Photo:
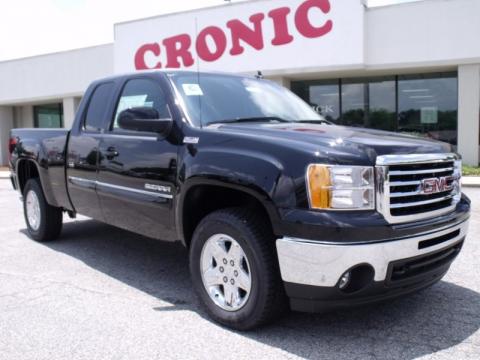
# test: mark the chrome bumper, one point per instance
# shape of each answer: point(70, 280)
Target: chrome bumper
point(313, 263)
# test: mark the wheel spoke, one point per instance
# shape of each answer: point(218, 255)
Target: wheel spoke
point(243, 280)
point(206, 263)
point(230, 294)
point(236, 252)
point(217, 250)
point(212, 277)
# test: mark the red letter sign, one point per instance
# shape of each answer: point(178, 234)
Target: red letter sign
point(140, 56)
point(280, 26)
point(182, 51)
point(218, 37)
point(304, 26)
point(240, 31)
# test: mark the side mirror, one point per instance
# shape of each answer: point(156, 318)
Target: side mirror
point(144, 119)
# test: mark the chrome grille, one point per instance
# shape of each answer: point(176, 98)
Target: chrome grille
point(416, 186)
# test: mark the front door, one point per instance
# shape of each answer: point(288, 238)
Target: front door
point(137, 171)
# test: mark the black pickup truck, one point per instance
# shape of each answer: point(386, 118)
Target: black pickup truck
point(277, 206)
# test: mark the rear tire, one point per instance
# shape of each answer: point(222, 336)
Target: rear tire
point(44, 222)
point(263, 299)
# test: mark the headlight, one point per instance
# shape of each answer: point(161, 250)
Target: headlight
point(335, 187)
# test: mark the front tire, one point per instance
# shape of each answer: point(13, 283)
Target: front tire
point(44, 222)
point(234, 269)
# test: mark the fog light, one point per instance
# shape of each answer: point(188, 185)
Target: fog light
point(344, 280)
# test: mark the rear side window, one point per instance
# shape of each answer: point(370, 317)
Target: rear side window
point(97, 109)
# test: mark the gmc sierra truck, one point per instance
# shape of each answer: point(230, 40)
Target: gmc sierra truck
point(277, 206)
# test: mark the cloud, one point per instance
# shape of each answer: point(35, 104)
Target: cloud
point(373, 3)
point(32, 27)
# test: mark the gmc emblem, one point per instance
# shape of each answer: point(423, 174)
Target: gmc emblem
point(436, 185)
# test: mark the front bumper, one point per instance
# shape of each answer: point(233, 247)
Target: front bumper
point(311, 269)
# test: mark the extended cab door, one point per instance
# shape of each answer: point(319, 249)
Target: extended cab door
point(137, 171)
point(83, 146)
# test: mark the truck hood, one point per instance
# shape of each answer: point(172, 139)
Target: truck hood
point(338, 143)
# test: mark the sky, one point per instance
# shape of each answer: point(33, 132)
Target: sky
point(34, 27)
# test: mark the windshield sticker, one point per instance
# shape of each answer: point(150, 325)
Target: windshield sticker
point(192, 90)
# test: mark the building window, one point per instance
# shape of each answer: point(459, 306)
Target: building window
point(48, 116)
point(427, 105)
point(369, 103)
point(423, 105)
point(323, 96)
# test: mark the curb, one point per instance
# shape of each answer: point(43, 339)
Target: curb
point(475, 182)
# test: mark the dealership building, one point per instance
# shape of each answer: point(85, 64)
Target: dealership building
point(411, 68)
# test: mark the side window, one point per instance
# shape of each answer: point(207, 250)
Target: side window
point(142, 93)
point(98, 106)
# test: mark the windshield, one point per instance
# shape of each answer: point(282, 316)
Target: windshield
point(217, 98)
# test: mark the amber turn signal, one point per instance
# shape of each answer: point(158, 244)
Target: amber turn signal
point(319, 184)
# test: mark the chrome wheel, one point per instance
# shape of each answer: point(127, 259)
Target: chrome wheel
point(33, 210)
point(225, 272)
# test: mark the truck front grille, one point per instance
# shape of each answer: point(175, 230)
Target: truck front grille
point(412, 187)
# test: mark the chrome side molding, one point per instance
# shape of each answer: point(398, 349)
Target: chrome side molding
point(94, 184)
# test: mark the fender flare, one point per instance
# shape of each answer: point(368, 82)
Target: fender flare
point(255, 192)
point(43, 177)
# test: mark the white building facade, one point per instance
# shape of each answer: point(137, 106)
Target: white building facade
point(412, 68)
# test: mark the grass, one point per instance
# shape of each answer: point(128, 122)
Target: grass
point(471, 170)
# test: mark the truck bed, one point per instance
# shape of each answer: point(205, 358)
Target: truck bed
point(47, 148)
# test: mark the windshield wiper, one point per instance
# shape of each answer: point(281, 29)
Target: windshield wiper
point(320, 121)
point(249, 119)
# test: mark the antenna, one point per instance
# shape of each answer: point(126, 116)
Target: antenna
point(259, 75)
point(198, 75)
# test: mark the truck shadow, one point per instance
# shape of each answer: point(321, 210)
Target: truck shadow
point(421, 324)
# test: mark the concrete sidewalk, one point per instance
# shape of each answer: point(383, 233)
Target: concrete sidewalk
point(467, 181)
point(471, 181)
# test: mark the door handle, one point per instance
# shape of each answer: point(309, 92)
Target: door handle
point(111, 153)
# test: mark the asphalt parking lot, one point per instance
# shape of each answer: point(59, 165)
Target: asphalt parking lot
point(103, 293)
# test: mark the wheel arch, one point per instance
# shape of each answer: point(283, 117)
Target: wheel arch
point(192, 206)
point(27, 169)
